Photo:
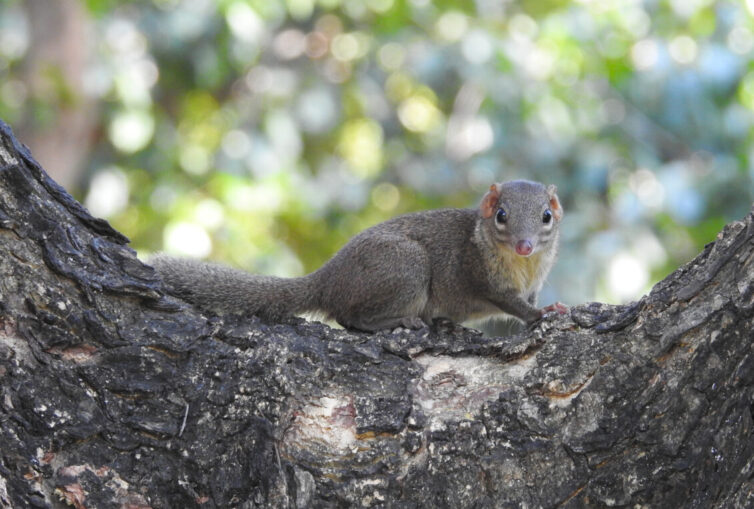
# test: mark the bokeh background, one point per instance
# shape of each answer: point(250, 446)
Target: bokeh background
point(265, 133)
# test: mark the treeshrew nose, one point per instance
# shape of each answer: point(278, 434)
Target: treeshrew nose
point(523, 247)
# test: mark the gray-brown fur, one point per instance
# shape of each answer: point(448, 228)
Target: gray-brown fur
point(450, 263)
point(219, 288)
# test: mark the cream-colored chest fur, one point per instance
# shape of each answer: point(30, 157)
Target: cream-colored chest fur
point(524, 273)
point(508, 270)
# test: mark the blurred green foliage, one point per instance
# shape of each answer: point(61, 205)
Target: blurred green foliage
point(265, 133)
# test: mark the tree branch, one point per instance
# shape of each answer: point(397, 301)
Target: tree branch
point(112, 393)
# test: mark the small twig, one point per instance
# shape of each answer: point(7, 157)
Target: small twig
point(185, 416)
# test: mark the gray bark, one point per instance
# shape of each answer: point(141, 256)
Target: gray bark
point(113, 394)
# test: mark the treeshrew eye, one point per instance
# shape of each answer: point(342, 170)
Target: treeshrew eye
point(547, 216)
point(501, 217)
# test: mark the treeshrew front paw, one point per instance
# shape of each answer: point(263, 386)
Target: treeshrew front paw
point(557, 307)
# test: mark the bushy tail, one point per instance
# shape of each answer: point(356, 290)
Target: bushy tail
point(219, 288)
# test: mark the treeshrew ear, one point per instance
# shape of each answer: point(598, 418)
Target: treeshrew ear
point(557, 210)
point(488, 206)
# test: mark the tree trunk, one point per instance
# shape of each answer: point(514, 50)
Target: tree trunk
point(55, 72)
point(115, 395)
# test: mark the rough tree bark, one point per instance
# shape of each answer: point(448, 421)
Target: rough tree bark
point(113, 394)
